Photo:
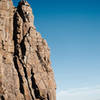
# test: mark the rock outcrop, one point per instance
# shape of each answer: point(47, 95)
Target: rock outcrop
point(25, 67)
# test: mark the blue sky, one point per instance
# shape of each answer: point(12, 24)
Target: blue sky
point(72, 30)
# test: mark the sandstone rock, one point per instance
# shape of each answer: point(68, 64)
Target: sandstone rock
point(25, 67)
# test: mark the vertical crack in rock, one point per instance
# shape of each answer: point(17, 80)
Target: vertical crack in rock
point(2, 98)
point(23, 48)
point(16, 53)
point(35, 87)
point(48, 97)
point(19, 75)
point(26, 76)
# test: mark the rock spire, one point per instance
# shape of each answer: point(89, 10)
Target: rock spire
point(25, 67)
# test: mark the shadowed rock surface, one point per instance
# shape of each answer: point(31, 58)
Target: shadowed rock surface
point(25, 67)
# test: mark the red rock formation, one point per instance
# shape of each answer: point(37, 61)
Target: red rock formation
point(25, 67)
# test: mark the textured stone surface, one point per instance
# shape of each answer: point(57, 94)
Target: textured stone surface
point(25, 67)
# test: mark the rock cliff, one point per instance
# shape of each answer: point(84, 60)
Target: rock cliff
point(25, 67)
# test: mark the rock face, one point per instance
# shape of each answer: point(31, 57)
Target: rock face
point(25, 68)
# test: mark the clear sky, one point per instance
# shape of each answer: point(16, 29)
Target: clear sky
point(72, 30)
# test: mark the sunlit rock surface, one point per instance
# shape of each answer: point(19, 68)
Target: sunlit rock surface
point(25, 67)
